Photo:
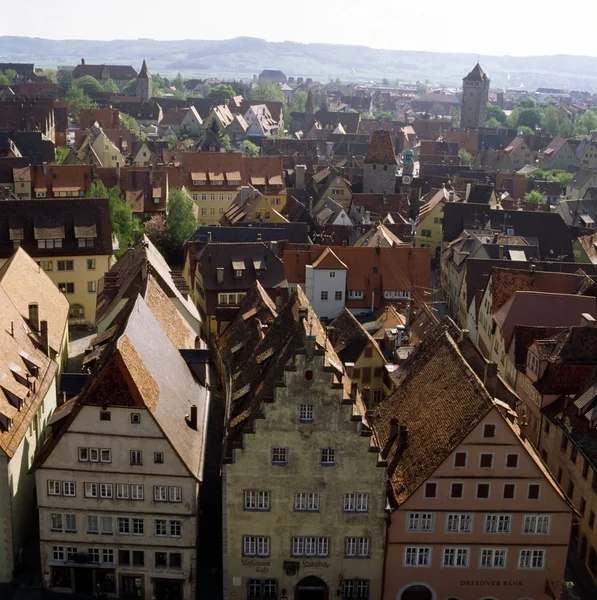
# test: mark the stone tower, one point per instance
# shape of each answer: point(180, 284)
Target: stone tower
point(309, 112)
point(380, 165)
point(144, 85)
point(475, 94)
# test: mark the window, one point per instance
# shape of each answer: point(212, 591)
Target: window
point(493, 558)
point(498, 523)
point(531, 559)
point(123, 524)
point(483, 491)
point(54, 487)
point(138, 526)
point(70, 523)
point(456, 490)
point(356, 547)
point(136, 491)
point(533, 492)
point(512, 461)
point(55, 522)
point(135, 418)
point(332, 273)
point(257, 500)
point(489, 430)
point(306, 501)
point(107, 555)
point(66, 265)
point(138, 558)
point(105, 490)
point(338, 296)
point(67, 288)
point(460, 459)
point(279, 456)
point(310, 546)
point(455, 557)
point(573, 454)
point(91, 287)
point(508, 492)
point(175, 560)
point(417, 556)
point(92, 524)
point(46, 265)
point(94, 554)
point(328, 457)
point(71, 552)
point(106, 525)
point(431, 490)
point(255, 545)
point(136, 457)
point(105, 415)
point(564, 443)
point(159, 527)
point(585, 468)
point(306, 413)
point(459, 523)
point(91, 490)
point(124, 557)
point(356, 502)
point(158, 458)
point(159, 493)
point(420, 522)
point(58, 552)
point(105, 454)
point(355, 588)
point(174, 493)
point(69, 488)
point(91, 264)
point(536, 524)
point(324, 295)
point(486, 461)
point(161, 559)
point(175, 528)
point(377, 396)
point(122, 491)
point(94, 454)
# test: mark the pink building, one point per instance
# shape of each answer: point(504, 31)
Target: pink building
point(475, 515)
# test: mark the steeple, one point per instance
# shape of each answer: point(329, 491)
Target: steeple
point(309, 111)
point(144, 83)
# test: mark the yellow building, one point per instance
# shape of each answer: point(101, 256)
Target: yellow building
point(297, 522)
point(587, 154)
point(251, 206)
point(71, 240)
point(97, 149)
point(431, 220)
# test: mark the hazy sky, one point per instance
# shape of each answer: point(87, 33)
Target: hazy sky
point(521, 27)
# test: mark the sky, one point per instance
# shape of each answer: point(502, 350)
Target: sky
point(516, 28)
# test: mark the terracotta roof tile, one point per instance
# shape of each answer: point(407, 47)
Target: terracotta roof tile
point(381, 149)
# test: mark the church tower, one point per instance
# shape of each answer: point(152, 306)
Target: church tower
point(309, 112)
point(380, 164)
point(475, 95)
point(144, 85)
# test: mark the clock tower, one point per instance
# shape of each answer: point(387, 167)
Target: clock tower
point(408, 169)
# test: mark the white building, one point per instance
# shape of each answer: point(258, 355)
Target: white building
point(118, 482)
point(34, 342)
point(325, 284)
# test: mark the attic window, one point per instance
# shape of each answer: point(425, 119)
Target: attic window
point(198, 181)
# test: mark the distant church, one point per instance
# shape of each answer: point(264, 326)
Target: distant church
point(475, 95)
point(144, 83)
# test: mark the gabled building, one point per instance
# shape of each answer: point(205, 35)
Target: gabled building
point(558, 154)
point(296, 520)
point(34, 340)
point(182, 121)
point(121, 75)
point(519, 152)
point(118, 481)
point(431, 218)
point(60, 181)
point(472, 505)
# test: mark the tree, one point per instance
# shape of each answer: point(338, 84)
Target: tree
point(61, 154)
point(455, 117)
point(299, 100)
point(249, 148)
point(110, 87)
point(156, 229)
point(121, 214)
point(367, 116)
point(493, 124)
point(10, 74)
point(495, 112)
point(385, 115)
point(221, 92)
point(224, 140)
point(178, 83)
point(180, 216)
point(530, 117)
point(527, 103)
point(130, 89)
point(77, 99)
point(534, 196)
point(586, 123)
point(465, 157)
point(267, 92)
point(50, 74)
point(66, 80)
point(4, 79)
point(524, 130)
point(88, 84)
point(128, 122)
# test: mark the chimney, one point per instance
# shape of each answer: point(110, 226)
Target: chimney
point(402, 438)
point(302, 314)
point(450, 196)
point(587, 320)
point(349, 366)
point(209, 237)
point(279, 299)
point(120, 143)
point(45, 168)
point(220, 274)
point(192, 418)
point(118, 174)
point(311, 205)
point(310, 345)
point(34, 316)
point(490, 378)
point(501, 252)
point(82, 61)
point(299, 180)
point(367, 396)
point(394, 428)
point(150, 174)
point(468, 192)
point(45, 340)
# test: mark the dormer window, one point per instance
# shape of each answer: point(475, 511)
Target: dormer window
point(86, 242)
point(198, 181)
point(533, 363)
point(238, 266)
point(238, 273)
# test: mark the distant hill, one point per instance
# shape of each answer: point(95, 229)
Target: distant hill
point(243, 57)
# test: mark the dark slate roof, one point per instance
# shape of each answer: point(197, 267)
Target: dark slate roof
point(348, 337)
point(295, 233)
point(114, 71)
point(477, 74)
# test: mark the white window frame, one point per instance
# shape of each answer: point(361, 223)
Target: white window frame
point(356, 502)
point(530, 555)
point(458, 557)
point(70, 523)
point(279, 455)
point(106, 490)
point(160, 493)
point(306, 413)
point(422, 522)
point(496, 557)
point(327, 457)
point(256, 500)
point(124, 525)
point(91, 489)
point(122, 491)
point(417, 553)
point(174, 493)
point(459, 519)
point(160, 527)
point(137, 526)
point(92, 524)
point(306, 501)
point(54, 487)
point(69, 488)
point(175, 525)
point(497, 523)
point(536, 524)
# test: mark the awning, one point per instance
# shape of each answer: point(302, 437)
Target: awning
point(238, 265)
point(587, 220)
point(257, 180)
point(156, 193)
point(200, 176)
point(85, 227)
point(67, 189)
point(276, 180)
point(48, 229)
point(40, 189)
point(233, 176)
point(216, 176)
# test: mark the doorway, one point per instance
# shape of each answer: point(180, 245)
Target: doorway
point(167, 590)
point(83, 581)
point(311, 588)
point(416, 592)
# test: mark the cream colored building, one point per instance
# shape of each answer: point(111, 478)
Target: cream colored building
point(297, 522)
point(118, 483)
point(34, 341)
